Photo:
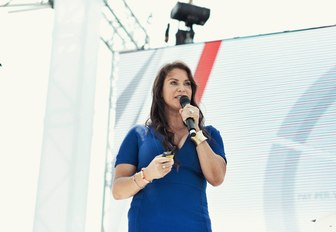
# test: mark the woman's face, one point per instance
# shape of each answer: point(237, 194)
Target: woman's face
point(175, 85)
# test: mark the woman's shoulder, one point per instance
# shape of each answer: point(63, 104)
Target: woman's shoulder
point(211, 129)
point(212, 132)
point(139, 129)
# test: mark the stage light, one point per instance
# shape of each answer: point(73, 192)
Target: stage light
point(190, 14)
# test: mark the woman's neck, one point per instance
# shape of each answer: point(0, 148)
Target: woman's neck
point(175, 121)
point(177, 127)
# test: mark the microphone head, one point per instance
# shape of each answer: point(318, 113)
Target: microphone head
point(184, 100)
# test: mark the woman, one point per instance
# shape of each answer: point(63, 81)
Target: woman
point(169, 194)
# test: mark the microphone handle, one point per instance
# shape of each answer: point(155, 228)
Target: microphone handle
point(191, 126)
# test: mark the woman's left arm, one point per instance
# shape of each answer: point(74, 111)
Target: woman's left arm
point(213, 166)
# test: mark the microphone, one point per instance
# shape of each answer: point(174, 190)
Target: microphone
point(190, 123)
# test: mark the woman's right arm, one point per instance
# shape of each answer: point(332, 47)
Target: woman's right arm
point(127, 182)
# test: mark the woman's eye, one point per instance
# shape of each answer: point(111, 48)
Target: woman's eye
point(188, 83)
point(173, 82)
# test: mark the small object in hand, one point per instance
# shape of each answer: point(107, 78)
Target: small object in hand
point(168, 154)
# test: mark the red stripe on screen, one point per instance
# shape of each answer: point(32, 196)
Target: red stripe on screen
point(204, 66)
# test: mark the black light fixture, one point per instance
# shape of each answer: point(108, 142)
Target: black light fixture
point(190, 14)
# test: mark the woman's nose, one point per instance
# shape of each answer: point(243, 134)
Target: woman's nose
point(181, 88)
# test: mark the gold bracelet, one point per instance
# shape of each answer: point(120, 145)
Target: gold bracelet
point(199, 138)
point(143, 176)
point(134, 180)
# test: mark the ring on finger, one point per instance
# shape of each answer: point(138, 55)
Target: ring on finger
point(191, 111)
point(163, 166)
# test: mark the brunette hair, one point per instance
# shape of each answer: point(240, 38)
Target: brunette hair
point(157, 118)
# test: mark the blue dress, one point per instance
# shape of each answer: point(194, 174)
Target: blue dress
point(176, 202)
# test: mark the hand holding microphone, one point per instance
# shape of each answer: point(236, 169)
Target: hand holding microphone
point(189, 114)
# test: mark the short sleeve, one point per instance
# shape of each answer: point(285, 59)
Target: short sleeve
point(129, 148)
point(216, 142)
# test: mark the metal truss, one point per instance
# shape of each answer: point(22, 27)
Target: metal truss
point(21, 5)
point(122, 30)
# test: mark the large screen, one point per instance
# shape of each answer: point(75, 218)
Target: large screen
point(273, 99)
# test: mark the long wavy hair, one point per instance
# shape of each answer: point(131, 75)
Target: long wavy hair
point(157, 118)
